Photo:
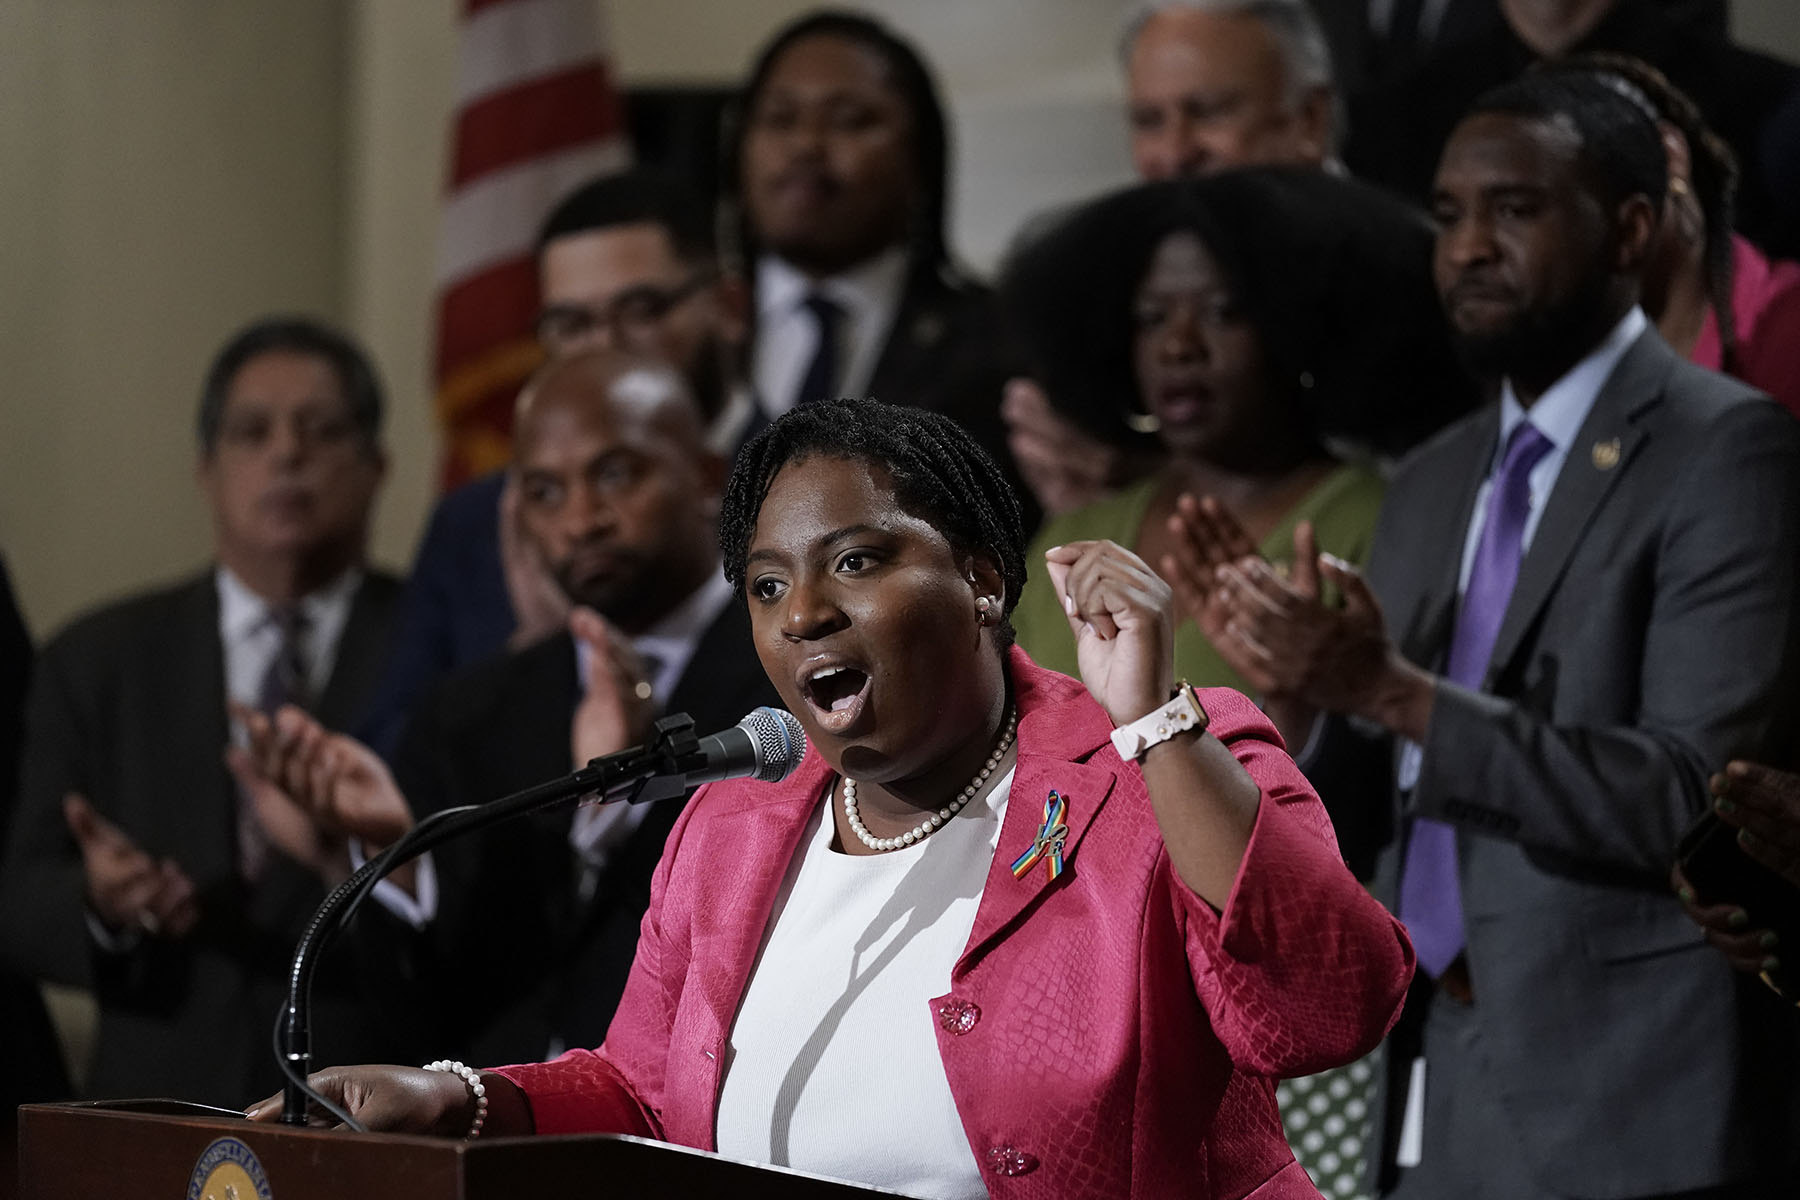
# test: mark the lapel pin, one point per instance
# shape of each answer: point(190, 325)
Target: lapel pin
point(1606, 454)
point(1048, 845)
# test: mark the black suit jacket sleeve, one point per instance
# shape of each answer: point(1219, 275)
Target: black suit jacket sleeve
point(1713, 675)
point(43, 929)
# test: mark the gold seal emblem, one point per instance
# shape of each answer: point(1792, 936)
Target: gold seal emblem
point(228, 1170)
point(1606, 454)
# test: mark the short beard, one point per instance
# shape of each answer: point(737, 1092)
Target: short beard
point(1540, 344)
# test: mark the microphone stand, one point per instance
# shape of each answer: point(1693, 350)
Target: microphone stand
point(654, 771)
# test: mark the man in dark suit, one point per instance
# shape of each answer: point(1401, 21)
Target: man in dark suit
point(135, 867)
point(1589, 598)
point(1398, 125)
point(28, 1044)
point(627, 260)
point(537, 921)
point(838, 166)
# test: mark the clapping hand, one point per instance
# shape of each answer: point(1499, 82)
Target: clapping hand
point(1207, 538)
point(1064, 467)
point(1763, 805)
point(127, 888)
point(1209, 541)
point(313, 790)
point(538, 603)
point(618, 702)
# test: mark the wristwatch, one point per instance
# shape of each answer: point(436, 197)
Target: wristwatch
point(1177, 716)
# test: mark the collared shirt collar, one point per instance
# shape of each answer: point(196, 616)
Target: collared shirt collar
point(242, 611)
point(870, 286)
point(1565, 404)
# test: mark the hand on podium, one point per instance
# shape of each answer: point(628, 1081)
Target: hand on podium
point(394, 1099)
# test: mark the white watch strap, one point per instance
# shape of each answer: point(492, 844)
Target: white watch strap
point(1181, 713)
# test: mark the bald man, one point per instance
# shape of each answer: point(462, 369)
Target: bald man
point(537, 922)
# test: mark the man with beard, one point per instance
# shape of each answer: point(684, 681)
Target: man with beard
point(1581, 601)
point(618, 495)
point(1397, 126)
point(627, 261)
point(838, 168)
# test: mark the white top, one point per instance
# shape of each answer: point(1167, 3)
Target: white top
point(842, 1074)
point(787, 334)
point(1558, 414)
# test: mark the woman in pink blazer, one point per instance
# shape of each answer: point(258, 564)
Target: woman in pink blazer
point(975, 945)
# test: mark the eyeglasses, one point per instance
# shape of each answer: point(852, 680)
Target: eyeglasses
point(632, 317)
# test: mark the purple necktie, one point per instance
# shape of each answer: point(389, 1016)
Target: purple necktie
point(1430, 898)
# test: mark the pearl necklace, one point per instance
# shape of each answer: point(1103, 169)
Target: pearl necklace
point(929, 825)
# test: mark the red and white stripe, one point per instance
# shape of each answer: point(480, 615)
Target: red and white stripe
point(538, 113)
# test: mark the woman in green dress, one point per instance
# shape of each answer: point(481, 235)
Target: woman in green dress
point(1266, 334)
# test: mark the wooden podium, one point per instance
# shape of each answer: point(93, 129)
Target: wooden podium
point(93, 1151)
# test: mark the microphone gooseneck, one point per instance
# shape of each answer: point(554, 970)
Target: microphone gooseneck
point(766, 745)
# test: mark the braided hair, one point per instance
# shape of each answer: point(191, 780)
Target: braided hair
point(940, 474)
point(1712, 164)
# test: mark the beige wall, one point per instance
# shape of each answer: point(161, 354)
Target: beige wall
point(172, 167)
point(169, 169)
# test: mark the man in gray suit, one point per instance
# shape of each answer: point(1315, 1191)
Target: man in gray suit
point(1581, 600)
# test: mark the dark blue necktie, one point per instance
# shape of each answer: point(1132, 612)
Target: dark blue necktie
point(821, 378)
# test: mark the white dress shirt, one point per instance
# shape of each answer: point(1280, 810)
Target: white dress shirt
point(251, 636)
point(787, 333)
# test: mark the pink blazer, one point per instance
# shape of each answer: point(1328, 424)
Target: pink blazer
point(1107, 1034)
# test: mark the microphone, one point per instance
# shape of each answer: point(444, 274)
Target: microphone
point(766, 746)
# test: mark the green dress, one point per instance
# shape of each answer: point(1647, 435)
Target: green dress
point(1329, 1117)
point(1342, 509)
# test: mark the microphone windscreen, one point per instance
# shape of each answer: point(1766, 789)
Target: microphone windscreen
point(779, 742)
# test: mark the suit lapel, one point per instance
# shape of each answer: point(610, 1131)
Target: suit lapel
point(755, 844)
point(1056, 733)
point(1426, 632)
point(1588, 476)
point(361, 652)
point(723, 680)
point(201, 804)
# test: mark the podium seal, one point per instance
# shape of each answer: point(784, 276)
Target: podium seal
point(228, 1170)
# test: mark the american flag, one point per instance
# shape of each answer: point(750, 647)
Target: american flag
point(538, 113)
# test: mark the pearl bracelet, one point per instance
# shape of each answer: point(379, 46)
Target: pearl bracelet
point(472, 1077)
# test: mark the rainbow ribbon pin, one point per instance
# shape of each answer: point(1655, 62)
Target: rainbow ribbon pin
point(1048, 845)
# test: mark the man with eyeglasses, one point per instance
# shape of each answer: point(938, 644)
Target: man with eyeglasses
point(134, 866)
point(627, 261)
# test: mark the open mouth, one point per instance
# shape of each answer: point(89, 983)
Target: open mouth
point(836, 694)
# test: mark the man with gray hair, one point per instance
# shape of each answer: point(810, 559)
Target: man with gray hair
point(1213, 84)
point(1210, 85)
